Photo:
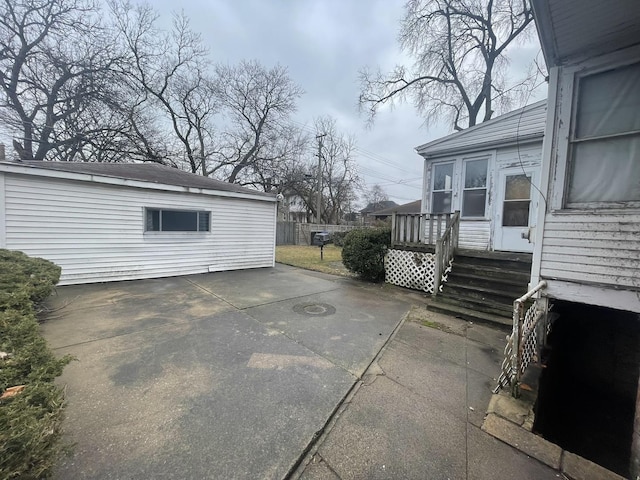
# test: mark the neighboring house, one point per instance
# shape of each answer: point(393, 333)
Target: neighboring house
point(367, 213)
point(489, 173)
point(294, 209)
point(406, 208)
point(107, 222)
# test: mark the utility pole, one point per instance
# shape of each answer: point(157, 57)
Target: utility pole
point(319, 199)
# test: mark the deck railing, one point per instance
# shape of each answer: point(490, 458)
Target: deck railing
point(414, 229)
point(524, 343)
point(446, 246)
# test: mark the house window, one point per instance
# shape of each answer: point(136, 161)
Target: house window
point(158, 220)
point(442, 186)
point(605, 141)
point(474, 194)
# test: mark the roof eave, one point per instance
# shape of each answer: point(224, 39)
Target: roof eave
point(17, 168)
point(482, 147)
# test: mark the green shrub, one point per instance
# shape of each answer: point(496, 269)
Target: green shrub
point(338, 238)
point(30, 420)
point(363, 252)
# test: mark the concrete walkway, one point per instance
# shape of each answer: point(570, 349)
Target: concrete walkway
point(418, 410)
point(275, 373)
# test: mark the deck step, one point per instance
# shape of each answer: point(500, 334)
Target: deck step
point(472, 315)
point(484, 285)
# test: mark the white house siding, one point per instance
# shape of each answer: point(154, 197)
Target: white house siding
point(525, 156)
point(594, 248)
point(474, 235)
point(95, 232)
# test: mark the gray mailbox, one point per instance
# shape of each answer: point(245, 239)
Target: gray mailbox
point(320, 239)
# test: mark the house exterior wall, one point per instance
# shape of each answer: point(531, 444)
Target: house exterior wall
point(478, 233)
point(586, 255)
point(96, 232)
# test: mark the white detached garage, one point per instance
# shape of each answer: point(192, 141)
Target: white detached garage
point(109, 222)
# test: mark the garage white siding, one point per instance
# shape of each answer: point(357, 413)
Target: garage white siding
point(95, 232)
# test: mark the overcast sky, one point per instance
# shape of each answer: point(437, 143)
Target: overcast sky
point(324, 43)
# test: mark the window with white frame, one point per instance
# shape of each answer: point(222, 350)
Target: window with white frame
point(474, 193)
point(164, 220)
point(442, 188)
point(604, 164)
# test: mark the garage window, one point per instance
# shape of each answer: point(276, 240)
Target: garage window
point(159, 220)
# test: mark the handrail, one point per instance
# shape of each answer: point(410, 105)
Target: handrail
point(524, 326)
point(446, 247)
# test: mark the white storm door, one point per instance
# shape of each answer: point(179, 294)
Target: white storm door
point(516, 210)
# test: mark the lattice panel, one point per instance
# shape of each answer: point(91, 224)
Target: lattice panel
point(530, 337)
point(410, 269)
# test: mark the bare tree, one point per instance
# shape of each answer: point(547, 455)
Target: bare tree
point(257, 135)
point(56, 62)
point(340, 176)
point(340, 180)
point(459, 49)
point(168, 74)
point(375, 195)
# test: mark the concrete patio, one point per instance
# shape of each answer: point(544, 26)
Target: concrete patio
point(275, 373)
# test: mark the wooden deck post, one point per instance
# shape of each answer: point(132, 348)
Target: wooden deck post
point(393, 229)
point(437, 274)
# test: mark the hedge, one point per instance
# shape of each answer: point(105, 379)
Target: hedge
point(363, 252)
point(31, 417)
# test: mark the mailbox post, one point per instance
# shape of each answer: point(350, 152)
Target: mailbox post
point(321, 239)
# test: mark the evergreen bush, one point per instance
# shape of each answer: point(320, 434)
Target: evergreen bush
point(338, 238)
point(363, 252)
point(30, 435)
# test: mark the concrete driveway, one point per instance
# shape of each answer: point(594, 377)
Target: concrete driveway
point(222, 375)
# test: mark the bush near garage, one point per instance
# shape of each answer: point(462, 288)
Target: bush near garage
point(31, 405)
point(363, 252)
point(338, 238)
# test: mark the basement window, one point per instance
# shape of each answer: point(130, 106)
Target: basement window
point(160, 220)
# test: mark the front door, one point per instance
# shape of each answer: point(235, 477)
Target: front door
point(516, 211)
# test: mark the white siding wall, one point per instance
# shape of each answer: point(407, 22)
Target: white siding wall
point(96, 232)
point(474, 234)
point(592, 248)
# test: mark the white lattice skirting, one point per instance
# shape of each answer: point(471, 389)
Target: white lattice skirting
point(410, 269)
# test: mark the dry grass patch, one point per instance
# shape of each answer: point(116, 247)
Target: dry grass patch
point(308, 257)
